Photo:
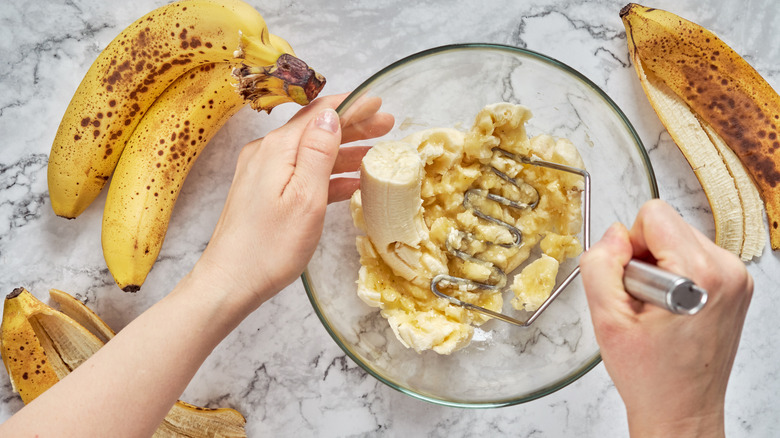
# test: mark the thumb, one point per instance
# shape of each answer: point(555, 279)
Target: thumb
point(602, 269)
point(317, 152)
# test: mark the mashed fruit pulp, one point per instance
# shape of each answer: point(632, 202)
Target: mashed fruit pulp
point(455, 162)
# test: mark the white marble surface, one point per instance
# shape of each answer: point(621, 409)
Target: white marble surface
point(281, 368)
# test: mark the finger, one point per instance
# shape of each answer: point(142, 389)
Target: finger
point(360, 109)
point(287, 136)
point(349, 158)
point(317, 151)
point(661, 232)
point(602, 268)
point(377, 125)
point(341, 189)
point(300, 120)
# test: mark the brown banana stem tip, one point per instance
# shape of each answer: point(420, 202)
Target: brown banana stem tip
point(131, 288)
point(15, 293)
point(625, 9)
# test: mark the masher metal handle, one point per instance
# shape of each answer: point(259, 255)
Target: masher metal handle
point(651, 284)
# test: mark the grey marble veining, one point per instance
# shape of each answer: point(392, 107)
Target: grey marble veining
point(280, 368)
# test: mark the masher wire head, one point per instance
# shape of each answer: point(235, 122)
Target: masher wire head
point(458, 236)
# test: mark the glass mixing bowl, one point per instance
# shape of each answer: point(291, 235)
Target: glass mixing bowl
point(504, 364)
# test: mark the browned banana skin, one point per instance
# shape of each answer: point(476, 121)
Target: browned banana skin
point(720, 87)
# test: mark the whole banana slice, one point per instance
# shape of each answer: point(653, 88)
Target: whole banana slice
point(140, 63)
point(40, 346)
point(733, 105)
point(390, 187)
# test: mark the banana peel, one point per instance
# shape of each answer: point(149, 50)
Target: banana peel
point(754, 235)
point(735, 208)
point(41, 345)
point(82, 314)
point(714, 104)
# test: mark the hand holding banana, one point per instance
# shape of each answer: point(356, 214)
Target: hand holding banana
point(149, 105)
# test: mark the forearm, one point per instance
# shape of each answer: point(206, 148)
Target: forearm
point(130, 384)
point(269, 228)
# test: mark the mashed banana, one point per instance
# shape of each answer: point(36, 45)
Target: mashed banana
point(455, 162)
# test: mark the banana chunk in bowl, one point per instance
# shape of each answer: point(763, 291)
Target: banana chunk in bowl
point(411, 209)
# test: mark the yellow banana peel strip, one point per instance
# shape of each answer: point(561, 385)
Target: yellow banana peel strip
point(41, 345)
point(82, 314)
point(689, 74)
point(30, 370)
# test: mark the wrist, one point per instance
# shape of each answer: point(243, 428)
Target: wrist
point(214, 288)
point(231, 286)
point(649, 425)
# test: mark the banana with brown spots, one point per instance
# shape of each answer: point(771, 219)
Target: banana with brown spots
point(154, 165)
point(717, 108)
point(140, 63)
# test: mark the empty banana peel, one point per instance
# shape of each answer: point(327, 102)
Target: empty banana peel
point(41, 345)
point(722, 114)
point(25, 357)
point(82, 314)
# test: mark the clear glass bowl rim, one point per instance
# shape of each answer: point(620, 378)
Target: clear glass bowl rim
point(517, 51)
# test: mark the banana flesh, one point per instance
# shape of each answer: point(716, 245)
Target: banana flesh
point(535, 283)
point(732, 113)
point(392, 173)
point(391, 177)
point(40, 346)
point(410, 205)
point(140, 63)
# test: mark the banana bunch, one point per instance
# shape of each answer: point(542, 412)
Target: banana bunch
point(41, 345)
point(148, 106)
point(723, 115)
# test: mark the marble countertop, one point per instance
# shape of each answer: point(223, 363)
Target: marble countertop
point(281, 369)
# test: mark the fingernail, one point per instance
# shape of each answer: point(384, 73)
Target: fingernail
point(328, 120)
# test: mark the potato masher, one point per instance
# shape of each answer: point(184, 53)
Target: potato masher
point(642, 280)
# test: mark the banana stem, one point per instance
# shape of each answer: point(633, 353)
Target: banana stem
point(288, 74)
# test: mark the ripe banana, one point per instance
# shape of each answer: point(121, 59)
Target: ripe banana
point(154, 165)
point(140, 63)
point(41, 345)
point(731, 111)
